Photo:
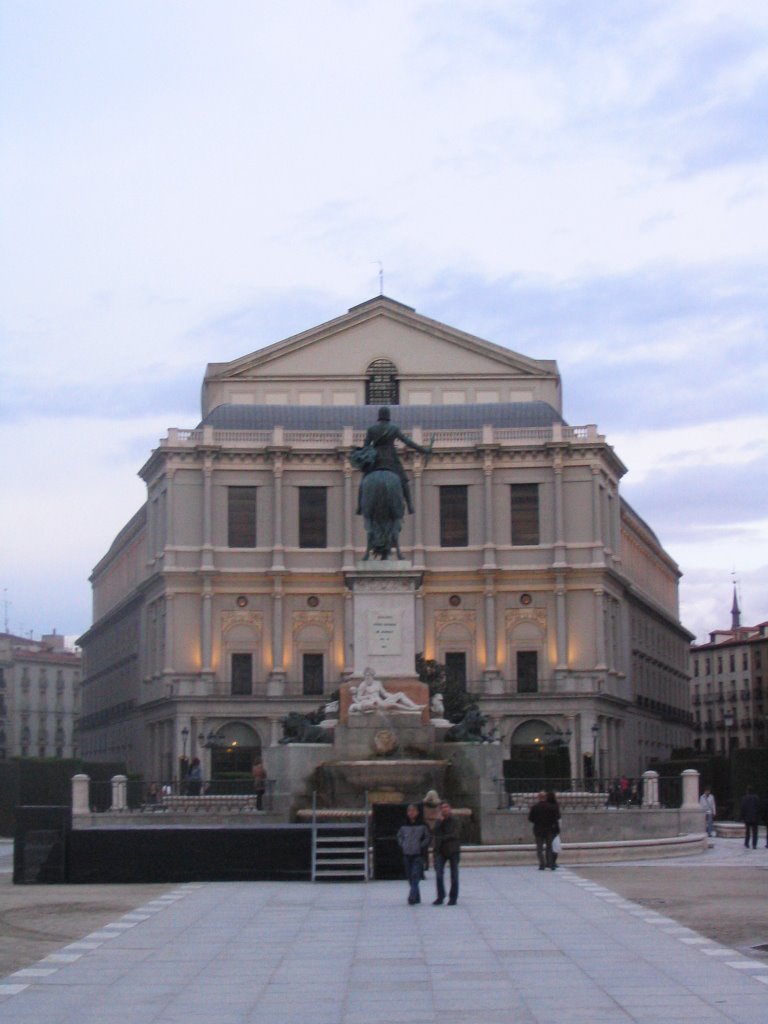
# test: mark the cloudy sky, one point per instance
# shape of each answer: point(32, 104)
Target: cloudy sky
point(186, 181)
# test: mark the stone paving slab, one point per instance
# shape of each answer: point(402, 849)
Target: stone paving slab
point(522, 946)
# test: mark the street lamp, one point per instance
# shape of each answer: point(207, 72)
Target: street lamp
point(184, 738)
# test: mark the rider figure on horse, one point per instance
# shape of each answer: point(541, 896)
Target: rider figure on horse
point(381, 437)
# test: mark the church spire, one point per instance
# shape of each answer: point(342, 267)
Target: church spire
point(735, 611)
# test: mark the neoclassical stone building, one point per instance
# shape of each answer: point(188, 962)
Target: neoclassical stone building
point(39, 697)
point(225, 601)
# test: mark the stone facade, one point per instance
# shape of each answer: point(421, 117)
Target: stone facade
point(39, 697)
point(220, 606)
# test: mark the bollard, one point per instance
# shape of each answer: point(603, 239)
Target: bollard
point(119, 792)
point(690, 779)
point(650, 789)
point(81, 793)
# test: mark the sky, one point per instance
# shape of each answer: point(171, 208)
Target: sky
point(186, 181)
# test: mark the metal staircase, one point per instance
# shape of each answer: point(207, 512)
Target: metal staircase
point(340, 850)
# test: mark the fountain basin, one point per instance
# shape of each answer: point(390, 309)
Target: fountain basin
point(385, 780)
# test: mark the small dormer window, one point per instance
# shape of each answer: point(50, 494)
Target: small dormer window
point(381, 386)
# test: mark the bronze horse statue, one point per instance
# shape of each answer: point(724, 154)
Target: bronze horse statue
point(383, 508)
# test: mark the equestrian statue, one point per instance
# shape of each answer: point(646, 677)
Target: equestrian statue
point(384, 490)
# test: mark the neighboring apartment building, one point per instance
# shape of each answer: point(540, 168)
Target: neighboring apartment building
point(39, 697)
point(729, 687)
point(224, 602)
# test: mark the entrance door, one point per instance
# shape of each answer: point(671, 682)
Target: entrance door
point(312, 674)
point(456, 670)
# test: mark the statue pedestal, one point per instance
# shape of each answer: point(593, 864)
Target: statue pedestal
point(384, 616)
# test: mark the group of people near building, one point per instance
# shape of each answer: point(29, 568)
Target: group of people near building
point(752, 812)
point(441, 834)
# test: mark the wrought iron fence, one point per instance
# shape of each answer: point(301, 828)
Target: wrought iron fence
point(587, 792)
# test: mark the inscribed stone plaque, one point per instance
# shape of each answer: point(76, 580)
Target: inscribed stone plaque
point(384, 632)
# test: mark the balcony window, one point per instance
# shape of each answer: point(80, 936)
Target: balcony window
point(313, 517)
point(454, 516)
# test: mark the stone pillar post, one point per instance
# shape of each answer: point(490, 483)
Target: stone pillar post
point(651, 789)
point(119, 792)
point(81, 794)
point(690, 779)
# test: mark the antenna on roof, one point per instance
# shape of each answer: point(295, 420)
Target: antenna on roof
point(381, 276)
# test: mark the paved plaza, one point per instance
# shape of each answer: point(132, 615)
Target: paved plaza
point(522, 946)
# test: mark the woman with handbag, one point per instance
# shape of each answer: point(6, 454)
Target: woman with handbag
point(556, 841)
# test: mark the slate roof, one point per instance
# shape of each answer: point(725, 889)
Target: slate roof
point(334, 417)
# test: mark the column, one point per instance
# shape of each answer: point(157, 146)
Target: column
point(276, 678)
point(168, 639)
point(491, 673)
point(169, 536)
point(419, 630)
point(206, 628)
point(278, 513)
point(561, 624)
point(207, 553)
point(349, 635)
point(600, 663)
point(489, 549)
point(597, 534)
point(348, 556)
point(559, 513)
point(418, 518)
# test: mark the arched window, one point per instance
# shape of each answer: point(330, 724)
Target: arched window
point(381, 386)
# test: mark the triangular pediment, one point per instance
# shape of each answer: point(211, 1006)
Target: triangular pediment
point(381, 328)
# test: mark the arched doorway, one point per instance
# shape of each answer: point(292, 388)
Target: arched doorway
point(537, 759)
point(234, 748)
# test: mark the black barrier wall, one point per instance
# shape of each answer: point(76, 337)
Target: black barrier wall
point(191, 854)
point(47, 851)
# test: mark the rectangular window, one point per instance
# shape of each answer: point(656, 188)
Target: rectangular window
point(524, 500)
point(454, 518)
point(456, 669)
point(313, 517)
point(241, 517)
point(242, 675)
point(312, 674)
point(527, 672)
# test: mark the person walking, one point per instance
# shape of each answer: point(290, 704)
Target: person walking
point(750, 815)
point(552, 799)
point(414, 839)
point(259, 774)
point(544, 817)
point(447, 840)
point(707, 804)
